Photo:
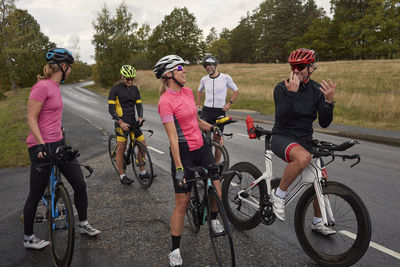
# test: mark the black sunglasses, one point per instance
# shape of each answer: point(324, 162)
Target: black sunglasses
point(129, 79)
point(299, 67)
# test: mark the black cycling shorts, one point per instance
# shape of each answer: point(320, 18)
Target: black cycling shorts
point(122, 136)
point(199, 157)
point(210, 115)
point(281, 145)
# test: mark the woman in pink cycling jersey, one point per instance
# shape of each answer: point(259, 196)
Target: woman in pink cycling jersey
point(178, 114)
point(45, 108)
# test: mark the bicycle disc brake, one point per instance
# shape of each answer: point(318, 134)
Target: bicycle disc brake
point(266, 213)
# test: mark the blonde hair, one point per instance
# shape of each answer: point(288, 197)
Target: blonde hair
point(163, 86)
point(48, 70)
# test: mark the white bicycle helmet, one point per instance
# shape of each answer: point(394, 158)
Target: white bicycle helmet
point(167, 63)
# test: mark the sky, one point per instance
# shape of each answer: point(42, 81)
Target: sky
point(66, 21)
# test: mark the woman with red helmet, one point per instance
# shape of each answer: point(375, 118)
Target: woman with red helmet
point(298, 102)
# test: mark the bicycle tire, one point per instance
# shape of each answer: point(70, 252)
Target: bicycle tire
point(62, 227)
point(347, 207)
point(192, 214)
point(222, 243)
point(138, 146)
point(242, 215)
point(112, 149)
point(215, 146)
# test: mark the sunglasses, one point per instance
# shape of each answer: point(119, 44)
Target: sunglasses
point(129, 79)
point(209, 64)
point(178, 68)
point(299, 67)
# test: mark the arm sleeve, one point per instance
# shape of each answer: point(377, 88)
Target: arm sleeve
point(112, 98)
point(201, 86)
point(284, 102)
point(39, 92)
point(165, 111)
point(231, 84)
point(325, 112)
point(139, 105)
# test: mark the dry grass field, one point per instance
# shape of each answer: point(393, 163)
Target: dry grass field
point(367, 94)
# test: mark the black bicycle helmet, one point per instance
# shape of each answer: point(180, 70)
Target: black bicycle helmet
point(59, 55)
point(209, 60)
point(167, 64)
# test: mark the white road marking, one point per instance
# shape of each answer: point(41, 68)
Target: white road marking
point(156, 150)
point(374, 245)
point(244, 135)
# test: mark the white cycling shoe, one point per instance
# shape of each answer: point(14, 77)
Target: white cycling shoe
point(278, 205)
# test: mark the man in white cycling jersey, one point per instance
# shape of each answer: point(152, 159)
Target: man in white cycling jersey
point(215, 86)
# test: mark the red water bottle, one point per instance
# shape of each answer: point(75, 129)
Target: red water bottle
point(251, 130)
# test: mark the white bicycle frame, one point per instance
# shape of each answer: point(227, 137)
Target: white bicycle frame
point(313, 174)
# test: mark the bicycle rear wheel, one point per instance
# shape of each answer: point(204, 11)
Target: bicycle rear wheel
point(222, 242)
point(222, 155)
point(61, 227)
point(112, 150)
point(141, 160)
point(352, 226)
point(243, 215)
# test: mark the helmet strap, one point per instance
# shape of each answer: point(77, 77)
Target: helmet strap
point(63, 73)
point(173, 78)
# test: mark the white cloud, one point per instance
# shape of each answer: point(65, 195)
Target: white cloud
point(62, 19)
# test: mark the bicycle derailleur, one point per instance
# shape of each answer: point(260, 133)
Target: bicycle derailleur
point(266, 212)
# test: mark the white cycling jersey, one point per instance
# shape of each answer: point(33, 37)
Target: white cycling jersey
point(216, 89)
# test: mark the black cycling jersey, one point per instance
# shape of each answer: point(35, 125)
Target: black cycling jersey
point(122, 101)
point(295, 112)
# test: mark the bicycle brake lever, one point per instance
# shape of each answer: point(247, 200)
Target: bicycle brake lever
point(90, 169)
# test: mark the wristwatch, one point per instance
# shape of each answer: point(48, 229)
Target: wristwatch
point(230, 101)
point(332, 104)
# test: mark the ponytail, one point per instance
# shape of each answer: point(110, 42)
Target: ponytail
point(163, 86)
point(48, 70)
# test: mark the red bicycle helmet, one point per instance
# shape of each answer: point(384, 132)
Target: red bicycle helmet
point(302, 56)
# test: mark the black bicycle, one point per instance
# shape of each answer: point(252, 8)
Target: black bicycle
point(198, 212)
point(220, 152)
point(137, 154)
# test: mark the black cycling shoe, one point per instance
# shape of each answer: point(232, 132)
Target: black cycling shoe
point(126, 180)
point(144, 176)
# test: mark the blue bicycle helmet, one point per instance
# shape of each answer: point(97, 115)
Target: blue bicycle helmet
point(59, 55)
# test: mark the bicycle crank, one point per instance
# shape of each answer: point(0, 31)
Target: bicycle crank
point(266, 213)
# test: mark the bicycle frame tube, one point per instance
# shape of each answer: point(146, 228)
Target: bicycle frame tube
point(54, 180)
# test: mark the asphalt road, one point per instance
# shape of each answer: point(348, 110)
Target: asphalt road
point(135, 222)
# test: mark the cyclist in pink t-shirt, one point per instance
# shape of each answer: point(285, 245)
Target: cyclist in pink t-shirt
point(45, 108)
point(178, 114)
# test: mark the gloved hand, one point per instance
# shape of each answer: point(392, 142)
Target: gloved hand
point(214, 129)
point(41, 148)
point(180, 177)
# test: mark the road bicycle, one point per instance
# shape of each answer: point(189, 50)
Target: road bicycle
point(198, 212)
point(246, 198)
point(56, 207)
point(137, 154)
point(220, 152)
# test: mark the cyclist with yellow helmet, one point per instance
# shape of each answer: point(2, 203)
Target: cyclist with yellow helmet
point(123, 99)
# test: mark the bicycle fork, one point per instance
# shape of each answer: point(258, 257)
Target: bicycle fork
point(324, 203)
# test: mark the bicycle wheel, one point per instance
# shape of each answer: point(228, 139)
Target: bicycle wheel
point(192, 214)
point(223, 154)
point(141, 160)
point(62, 227)
point(222, 242)
point(112, 150)
point(352, 226)
point(243, 215)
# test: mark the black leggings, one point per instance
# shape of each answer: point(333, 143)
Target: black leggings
point(38, 183)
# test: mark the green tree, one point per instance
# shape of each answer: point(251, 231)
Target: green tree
point(141, 58)
point(241, 41)
point(212, 36)
point(115, 43)
point(24, 50)
point(177, 34)
point(221, 49)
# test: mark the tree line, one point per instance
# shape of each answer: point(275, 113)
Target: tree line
point(22, 50)
point(358, 29)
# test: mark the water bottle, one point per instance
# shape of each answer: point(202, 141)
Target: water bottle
point(251, 130)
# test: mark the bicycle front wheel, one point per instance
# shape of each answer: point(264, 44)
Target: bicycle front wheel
point(61, 227)
point(112, 150)
point(220, 154)
point(220, 233)
point(141, 162)
point(240, 211)
point(352, 226)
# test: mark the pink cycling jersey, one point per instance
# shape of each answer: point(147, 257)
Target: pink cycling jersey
point(49, 120)
point(179, 107)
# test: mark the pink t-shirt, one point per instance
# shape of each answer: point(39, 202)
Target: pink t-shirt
point(49, 120)
point(180, 108)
